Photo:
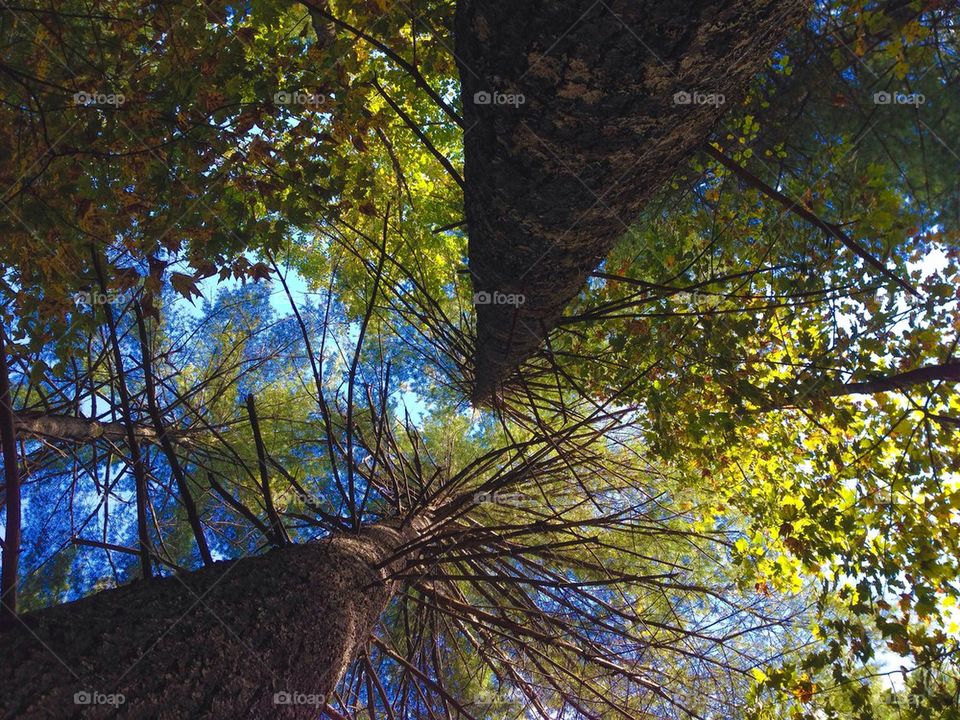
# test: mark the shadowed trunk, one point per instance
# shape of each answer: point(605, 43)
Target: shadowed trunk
point(571, 125)
point(215, 643)
point(10, 500)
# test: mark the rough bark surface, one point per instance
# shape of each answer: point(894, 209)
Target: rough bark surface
point(552, 182)
point(68, 428)
point(215, 643)
point(11, 495)
point(947, 372)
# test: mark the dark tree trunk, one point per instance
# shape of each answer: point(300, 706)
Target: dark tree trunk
point(802, 394)
point(947, 372)
point(11, 489)
point(552, 182)
point(215, 643)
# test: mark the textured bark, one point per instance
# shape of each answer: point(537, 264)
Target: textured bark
point(805, 393)
point(948, 372)
point(11, 494)
point(553, 182)
point(68, 428)
point(215, 643)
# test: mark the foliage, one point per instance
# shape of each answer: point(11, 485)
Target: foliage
point(695, 501)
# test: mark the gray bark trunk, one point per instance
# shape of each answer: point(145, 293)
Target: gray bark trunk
point(68, 428)
point(552, 182)
point(216, 643)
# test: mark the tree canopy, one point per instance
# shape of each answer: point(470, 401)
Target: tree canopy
point(695, 456)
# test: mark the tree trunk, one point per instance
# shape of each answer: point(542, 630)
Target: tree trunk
point(572, 123)
point(11, 495)
point(215, 643)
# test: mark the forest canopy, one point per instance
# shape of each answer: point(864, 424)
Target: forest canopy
point(480, 360)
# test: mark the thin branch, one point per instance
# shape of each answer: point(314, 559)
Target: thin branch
point(193, 517)
point(136, 460)
point(277, 533)
point(798, 209)
point(441, 158)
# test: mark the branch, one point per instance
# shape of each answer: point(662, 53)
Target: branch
point(352, 377)
point(947, 372)
point(441, 158)
point(136, 460)
point(319, 9)
point(278, 534)
point(237, 505)
point(796, 208)
point(176, 469)
point(69, 428)
point(899, 382)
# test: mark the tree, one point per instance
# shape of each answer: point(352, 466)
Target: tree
point(717, 480)
point(303, 613)
point(475, 528)
point(605, 118)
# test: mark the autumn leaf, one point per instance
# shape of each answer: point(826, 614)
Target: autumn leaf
point(185, 285)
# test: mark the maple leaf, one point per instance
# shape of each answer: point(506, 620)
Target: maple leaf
point(259, 271)
point(185, 285)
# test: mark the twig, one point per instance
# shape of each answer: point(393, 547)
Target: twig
point(798, 209)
